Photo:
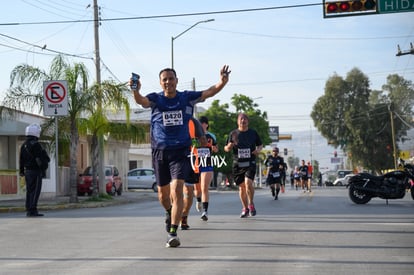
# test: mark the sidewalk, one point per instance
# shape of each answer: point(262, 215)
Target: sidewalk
point(8, 205)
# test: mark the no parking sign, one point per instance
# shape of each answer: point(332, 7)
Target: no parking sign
point(55, 98)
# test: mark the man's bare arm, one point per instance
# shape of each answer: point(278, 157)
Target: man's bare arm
point(213, 90)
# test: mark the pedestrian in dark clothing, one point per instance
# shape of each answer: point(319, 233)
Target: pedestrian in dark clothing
point(246, 145)
point(33, 163)
point(275, 165)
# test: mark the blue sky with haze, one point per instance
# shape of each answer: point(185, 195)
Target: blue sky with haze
point(281, 56)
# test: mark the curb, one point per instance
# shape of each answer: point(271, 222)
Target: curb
point(18, 206)
point(55, 205)
point(14, 209)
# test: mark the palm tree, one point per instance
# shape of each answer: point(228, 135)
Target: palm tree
point(26, 93)
point(112, 98)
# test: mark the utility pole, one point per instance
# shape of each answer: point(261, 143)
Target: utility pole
point(410, 51)
point(193, 87)
point(394, 147)
point(101, 170)
point(97, 55)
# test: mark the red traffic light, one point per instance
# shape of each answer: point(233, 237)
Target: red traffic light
point(347, 8)
point(331, 7)
point(344, 6)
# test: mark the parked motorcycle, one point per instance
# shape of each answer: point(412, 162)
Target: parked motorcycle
point(392, 185)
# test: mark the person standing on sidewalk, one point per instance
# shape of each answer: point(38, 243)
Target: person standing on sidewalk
point(170, 142)
point(33, 163)
point(206, 170)
point(245, 144)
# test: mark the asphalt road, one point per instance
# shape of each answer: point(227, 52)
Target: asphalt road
point(321, 232)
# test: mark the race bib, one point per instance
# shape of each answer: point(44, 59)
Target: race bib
point(172, 118)
point(243, 164)
point(244, 153)
point(276, 174)
point(203, 152)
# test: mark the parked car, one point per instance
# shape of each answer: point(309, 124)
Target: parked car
point(112, 178)
point(342, 181)
point(142, 178)
point(343, 173)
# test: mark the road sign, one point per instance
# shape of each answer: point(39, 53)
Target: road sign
point(274, 133)
point(55, 101)
point(390, 6)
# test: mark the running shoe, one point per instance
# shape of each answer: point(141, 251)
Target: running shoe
point(244, 213)
point(199, 206)
point(252, 210)
point(184, 224)
point(276, 198)
point(167, 222)
point(204, 216)
point(172, 241)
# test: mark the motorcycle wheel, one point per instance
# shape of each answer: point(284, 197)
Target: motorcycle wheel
point(358, 196)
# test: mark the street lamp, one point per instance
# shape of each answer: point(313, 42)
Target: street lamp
point(175, 37)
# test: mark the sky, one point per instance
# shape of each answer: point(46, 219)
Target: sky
point(280, 52)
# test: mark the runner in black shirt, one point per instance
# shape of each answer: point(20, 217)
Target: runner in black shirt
point(303, 170)
point(245, 144)
point(276, 166)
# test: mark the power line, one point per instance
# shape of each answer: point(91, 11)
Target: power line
point(24, 50)
point(50, 7)
point(339, 38)
point(161, 16)
point(119, 43)
point(44, 47)
point(110, 72)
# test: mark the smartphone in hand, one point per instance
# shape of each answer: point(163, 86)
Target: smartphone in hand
point(135, 78)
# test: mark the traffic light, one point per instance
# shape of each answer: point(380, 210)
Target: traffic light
point(285, 151)
point(349, 8)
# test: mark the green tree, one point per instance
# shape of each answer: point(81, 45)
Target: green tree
point(222, 122)
point(26, 93)
point(401, 99)
point(356, 119)
point(112, 98)
point(257, 118)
